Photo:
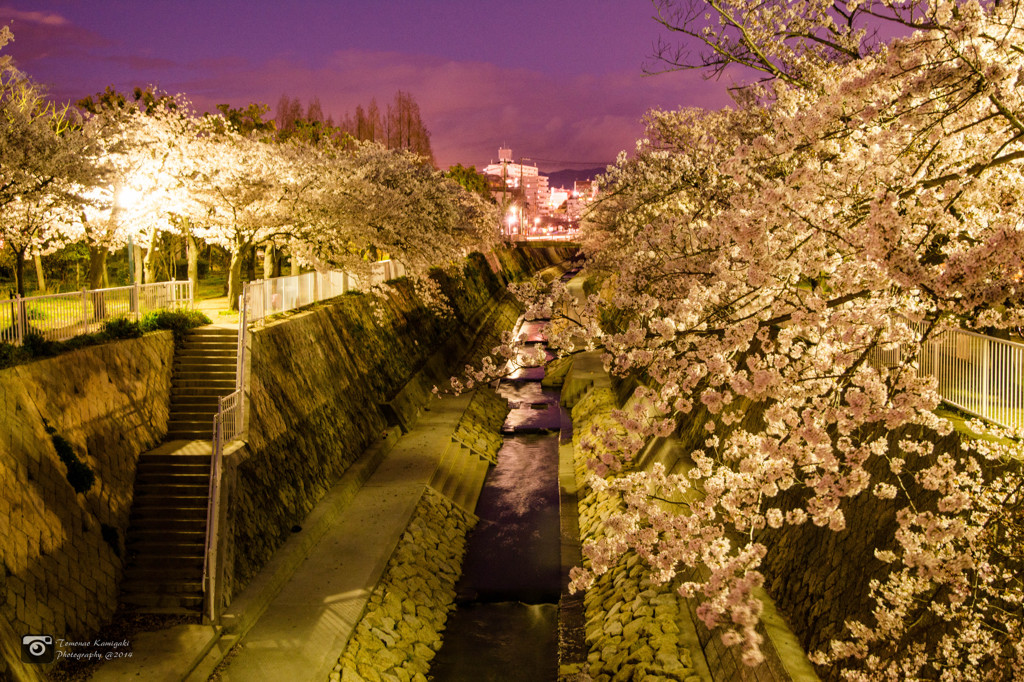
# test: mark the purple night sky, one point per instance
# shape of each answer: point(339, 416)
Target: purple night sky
point(561, 82)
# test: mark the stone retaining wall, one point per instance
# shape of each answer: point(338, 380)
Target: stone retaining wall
point(400, 632)
point(61, 548)
point(479, 429)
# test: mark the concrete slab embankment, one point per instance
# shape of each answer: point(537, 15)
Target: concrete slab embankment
point(634, 626)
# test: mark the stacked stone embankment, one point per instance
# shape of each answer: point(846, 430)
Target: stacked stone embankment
point(634, 627)
point(401, 630)
point(480, 426)
point(71, 430)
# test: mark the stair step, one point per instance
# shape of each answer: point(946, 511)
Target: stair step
point(443, 467)
point(147, 534)
point(223, 386)
point(183, 604)
point(213, 374)
point(200, 422)
point(158, 477)
point(170, 559)
point(175, 458)
point(174, 486)
point(147, 468)
point(148, 585)
point(204, 435)
point(451, 483)
point(187, 506)
point(199, 392)
point(167, 548)
point(463, 490)
point(162, 523)
point(207, 350)
point(476, 485)
point(191, 400)
point(192, 416)
point(197, 364)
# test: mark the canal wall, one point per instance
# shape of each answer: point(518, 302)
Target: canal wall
point(71, 430)
point(327, 383)
point(631, 620)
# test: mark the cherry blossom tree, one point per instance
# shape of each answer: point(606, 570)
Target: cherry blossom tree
point(756, 261)
point(237, 187)
point(140, 152)
point(367, 201)
point(41, 146)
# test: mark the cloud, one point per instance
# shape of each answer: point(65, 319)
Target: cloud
point(471, 108)
point(45, 18)
point(45, 35)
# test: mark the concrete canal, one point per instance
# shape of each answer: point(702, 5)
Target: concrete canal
point(505, 625)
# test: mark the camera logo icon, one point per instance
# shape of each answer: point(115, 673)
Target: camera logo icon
point(37, 649)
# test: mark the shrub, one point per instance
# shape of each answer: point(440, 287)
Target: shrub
point(79, 475)
point(121, 328)
point(38, 346)
point(178, 321)
point(11, 355)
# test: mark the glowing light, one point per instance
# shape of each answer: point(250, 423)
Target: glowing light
point(127, 197)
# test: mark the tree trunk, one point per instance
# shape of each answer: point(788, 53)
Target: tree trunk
point(192, 247)
point(150, 273)
point(235, 278)
point(250, 263)
point(296, 270)
point(40, 276)
point(97, 276)
point(19, 271)
point(97, 266)
point(136, 276)
point(268, 261)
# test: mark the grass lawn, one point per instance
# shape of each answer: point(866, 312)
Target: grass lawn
point(959, 420)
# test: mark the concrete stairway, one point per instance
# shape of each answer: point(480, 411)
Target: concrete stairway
point(460, 475)
point(167, 531)
point(204, 370)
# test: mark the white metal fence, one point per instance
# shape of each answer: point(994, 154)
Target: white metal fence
point(58, 317)
point(281, 294)
point(978, 374)
point(981, 375)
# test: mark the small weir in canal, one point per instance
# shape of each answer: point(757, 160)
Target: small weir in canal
point(505, 624)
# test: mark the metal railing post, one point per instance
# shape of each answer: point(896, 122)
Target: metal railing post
point(213, 521)
point(20, 319)
point(85, 312)
point(986, 409)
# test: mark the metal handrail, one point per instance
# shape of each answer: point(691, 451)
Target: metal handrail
point(229, 411)
point(288, 292)
point(59, 317)
point(978, 374)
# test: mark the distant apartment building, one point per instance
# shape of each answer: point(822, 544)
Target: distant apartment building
point(583, 194)
point(520, 187)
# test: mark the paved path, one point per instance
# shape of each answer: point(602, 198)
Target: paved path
point(305, 629)
point(307, 623)
point(218, 310)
